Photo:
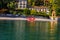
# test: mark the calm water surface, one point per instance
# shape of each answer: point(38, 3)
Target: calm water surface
point(23, 30)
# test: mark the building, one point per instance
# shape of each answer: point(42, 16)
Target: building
point(22, 4)
point(40, 9)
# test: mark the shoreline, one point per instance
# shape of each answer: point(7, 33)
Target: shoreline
point(19, 18)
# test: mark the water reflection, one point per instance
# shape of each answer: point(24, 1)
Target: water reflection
point(23, 30)
point(20, 29)
point(53, 30)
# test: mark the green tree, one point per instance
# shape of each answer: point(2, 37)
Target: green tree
point(57, 2)
point(31, 2)
point(11, 5)
point(1, 4)
point(37, 3)
point(26, 12)
point(42, 13)
point(33, 12)
point(52, 6)
point(58, 11)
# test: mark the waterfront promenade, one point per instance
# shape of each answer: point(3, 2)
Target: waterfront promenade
point(36, 19)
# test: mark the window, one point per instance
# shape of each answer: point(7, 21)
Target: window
point(20, 6)
point(24, 7)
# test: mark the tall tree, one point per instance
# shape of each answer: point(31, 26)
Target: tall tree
point(57, 2)
point(39, 2)
point(30, 2)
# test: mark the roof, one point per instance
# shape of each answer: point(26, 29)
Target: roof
point(20, 0)
point(39, 7)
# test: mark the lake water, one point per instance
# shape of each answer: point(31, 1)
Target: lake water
point(23, 30)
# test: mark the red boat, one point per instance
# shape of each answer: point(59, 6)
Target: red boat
point(31, 19)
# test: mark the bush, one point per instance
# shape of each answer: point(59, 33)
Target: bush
point(26, 11)
point(58, 11)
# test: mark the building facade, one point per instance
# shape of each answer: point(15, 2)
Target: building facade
point(40, 9)
point(22, 4)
